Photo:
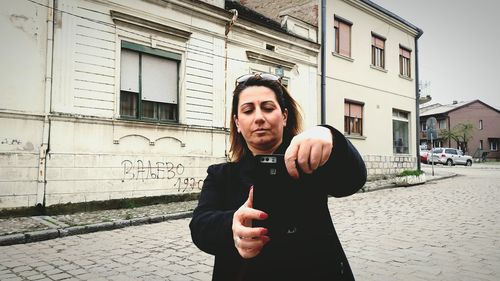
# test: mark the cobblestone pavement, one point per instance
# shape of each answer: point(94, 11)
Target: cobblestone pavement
point(35, 228)
point(443, 230)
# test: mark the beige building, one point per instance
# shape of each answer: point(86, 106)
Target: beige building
point(371, 82)
point(124, 99)
point(370, 76)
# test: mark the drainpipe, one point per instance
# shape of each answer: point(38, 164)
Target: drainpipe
point(417, 96)
point(228, 29)
point(323, 62)
point(44, 148)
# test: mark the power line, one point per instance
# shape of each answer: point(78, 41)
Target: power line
point(187, 49)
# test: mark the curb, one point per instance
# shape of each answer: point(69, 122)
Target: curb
point(443, 177)
point(42, 235)
point(392, 185)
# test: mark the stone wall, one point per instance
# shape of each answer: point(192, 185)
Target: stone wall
point(378, 165)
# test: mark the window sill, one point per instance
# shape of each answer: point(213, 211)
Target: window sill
point(405, 77)
point(355, 137)
point(148, 121)
point(378, 68)
point(342, 57)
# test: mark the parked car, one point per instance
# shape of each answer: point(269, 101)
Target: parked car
point(449, 156)
point(424, 155)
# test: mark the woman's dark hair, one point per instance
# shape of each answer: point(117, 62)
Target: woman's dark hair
point(238, 145)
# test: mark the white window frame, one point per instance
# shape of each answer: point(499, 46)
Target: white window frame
point(401, 116)
point(493, 144)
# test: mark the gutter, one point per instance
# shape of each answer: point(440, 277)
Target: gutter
point(44, 147)
point(417, 97)
point(323, 62)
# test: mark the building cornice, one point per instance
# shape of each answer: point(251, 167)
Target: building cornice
point(122, 18)
point(383, 14)
point(272, 60)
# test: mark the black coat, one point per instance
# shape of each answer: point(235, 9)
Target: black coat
point(312, 252)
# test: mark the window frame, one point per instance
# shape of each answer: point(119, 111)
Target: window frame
point(481, 125)
point(337, 23)
point(493, 144)
point(378, 58)
point(404, 62)
point(399, 115)
point(163, 54)
point(442, 124)
point(348, 132)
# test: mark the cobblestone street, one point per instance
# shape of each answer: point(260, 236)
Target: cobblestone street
point(443, 230)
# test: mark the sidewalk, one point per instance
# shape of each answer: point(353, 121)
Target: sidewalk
point(38, 228)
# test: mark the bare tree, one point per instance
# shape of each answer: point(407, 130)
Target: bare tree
point(460, 133)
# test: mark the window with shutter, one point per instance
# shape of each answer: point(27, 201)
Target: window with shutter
point(148, 83)
point(342, 37)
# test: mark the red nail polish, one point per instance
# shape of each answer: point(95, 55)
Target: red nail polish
point(264, 231)
point(263, 216)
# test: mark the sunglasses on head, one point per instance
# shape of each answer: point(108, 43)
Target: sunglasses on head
point(258, 76)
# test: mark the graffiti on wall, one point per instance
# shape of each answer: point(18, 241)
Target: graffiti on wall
point(10, 141)
point(151, 170)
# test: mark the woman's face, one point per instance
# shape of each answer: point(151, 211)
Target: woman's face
point(260, 119)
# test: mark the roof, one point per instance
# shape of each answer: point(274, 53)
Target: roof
point(297, 11)
point(394, 16)
point(254, 16)
point(436, 109)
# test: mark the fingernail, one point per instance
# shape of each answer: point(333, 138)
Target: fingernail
point(263, 216)
point(264, 231)
point(266, 239)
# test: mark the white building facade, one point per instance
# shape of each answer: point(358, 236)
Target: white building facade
point(371, 84)
point(124, 99)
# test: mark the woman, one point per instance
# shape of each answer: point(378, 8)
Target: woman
point(266, 120)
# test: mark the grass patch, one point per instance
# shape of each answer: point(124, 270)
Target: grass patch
point(406, 173)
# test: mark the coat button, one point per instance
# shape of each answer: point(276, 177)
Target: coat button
point(291, 230)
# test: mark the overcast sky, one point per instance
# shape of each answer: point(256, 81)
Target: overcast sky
point(459, 52)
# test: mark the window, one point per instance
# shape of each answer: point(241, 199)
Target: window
point(353, 118)
point(400, 132)
point(481, 144)
point(442, 124)
point(423, 127)
point(480, 124)
point(148, 83)
point(493, 144)
point(378, 46)
point(404, 62)
point(270, 47)
point(451, 151)
point(342, 37)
